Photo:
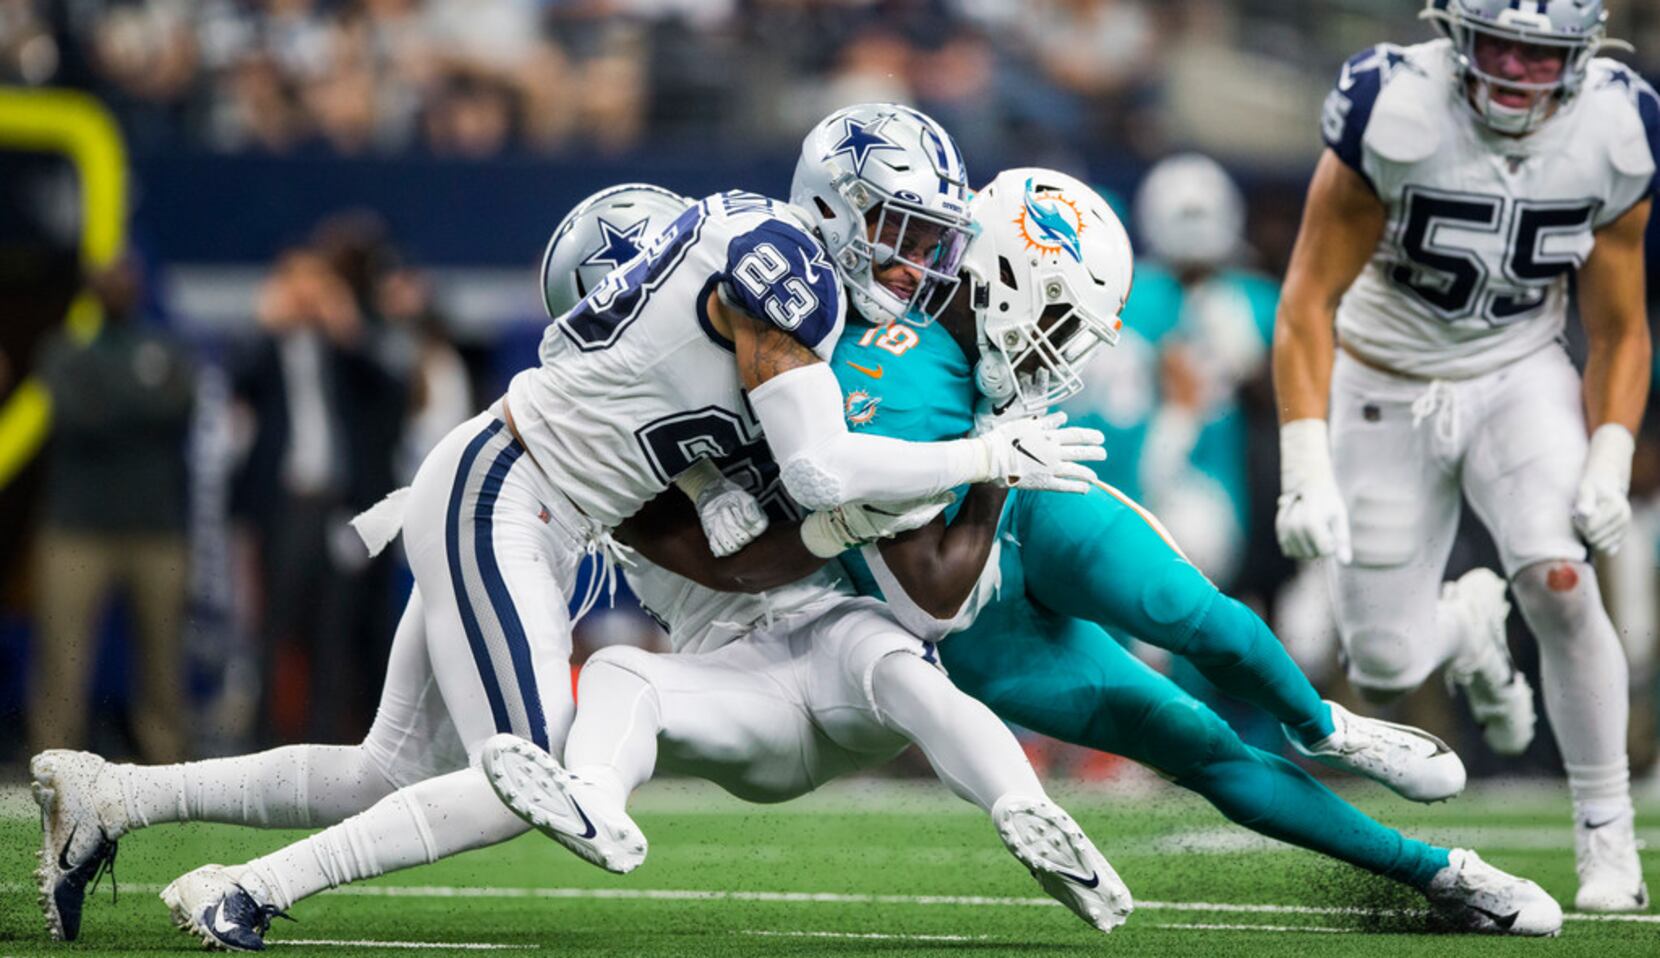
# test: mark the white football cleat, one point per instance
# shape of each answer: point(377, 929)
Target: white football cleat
point(1063, 860)
point(213, 904)
point(77, 844)
point(1500, 697)
point(1411, 762)
point(1610, 873)
point(1482, 898)
point(566, 808)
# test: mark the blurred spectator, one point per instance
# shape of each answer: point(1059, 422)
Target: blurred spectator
point(114, 519)
point(328, 400)
point(441, 391)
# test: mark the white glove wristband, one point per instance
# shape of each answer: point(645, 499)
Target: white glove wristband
point(1305, 455)
point(1609, 457)
point(699, 477)
point(825, 535)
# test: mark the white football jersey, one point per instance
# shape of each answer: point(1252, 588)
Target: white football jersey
point(1484, 230)
point(635, 384)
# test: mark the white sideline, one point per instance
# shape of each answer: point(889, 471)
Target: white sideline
point(422, 945)
point(865, 935)
point(828, 898)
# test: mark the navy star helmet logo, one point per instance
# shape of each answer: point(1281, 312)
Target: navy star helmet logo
point(617, 246)
point(859, 140)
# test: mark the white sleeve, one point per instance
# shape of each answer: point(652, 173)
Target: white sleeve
point(823, 465)
point(918, 621)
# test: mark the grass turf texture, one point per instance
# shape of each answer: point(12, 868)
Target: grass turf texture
point(878, 850)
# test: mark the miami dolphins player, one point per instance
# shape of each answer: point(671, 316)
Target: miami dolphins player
point(1031, 621)
point(714, 337)
point(1469, 185)
point(642, 712)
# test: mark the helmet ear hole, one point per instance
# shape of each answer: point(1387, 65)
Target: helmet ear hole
point(1005, 272)
point(824, 209)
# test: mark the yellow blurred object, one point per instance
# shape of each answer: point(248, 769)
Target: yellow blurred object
point(78, 126)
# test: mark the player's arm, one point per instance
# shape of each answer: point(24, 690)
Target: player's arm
point(938, 565)
point(1342, 223)
point(1612, 305)
point(1617, 364)
point(668, 532)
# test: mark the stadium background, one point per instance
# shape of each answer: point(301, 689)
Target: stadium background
point(397, 165)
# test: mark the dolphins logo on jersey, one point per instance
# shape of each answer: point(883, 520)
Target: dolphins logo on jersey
point(859, 140)
point(861, 407)
point(617, 245)
point(1050, 223)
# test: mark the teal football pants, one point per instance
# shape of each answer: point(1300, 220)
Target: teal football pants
point(1070, 680)
point(1100, 558)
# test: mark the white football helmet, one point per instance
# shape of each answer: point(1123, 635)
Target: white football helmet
point(603, 232)
point(1190, 212)
point(1577, 27)
point(883, 183)
point(1049, 271)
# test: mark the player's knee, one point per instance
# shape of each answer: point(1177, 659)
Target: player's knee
point(1178, 596)
point(1382, 666)
point(612, 664)
point(1181, 736)
point(1561, 602)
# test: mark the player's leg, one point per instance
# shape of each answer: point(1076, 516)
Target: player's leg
point(731, 716)
point(493, 577)
point(1520, 474)
point(1101, 558)
point(879, 680)
point(1071, 680)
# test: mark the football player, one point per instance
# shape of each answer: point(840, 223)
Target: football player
point(725, 716)
point(1467, 185)
point(716, 336)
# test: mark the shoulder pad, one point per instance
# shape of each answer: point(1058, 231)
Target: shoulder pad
point(1630, 109)
point(778, 272)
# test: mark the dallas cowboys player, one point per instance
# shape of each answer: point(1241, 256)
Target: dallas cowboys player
point(715, 334)
point(777, 685)
point(1465, 183)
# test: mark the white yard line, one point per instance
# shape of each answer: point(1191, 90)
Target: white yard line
point(1212, 926)
point(826, 898)
point(422, 945)
point(864, 935)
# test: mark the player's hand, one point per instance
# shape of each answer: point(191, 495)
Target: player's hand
point(1312, 520)
point(831, 532)
point(1602, 511)
point(731, 518)
point(1043, 454)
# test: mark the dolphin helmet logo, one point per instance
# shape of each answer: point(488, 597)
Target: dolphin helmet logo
point(1050, 222)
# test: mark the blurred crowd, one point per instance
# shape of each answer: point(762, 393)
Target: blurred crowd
point(473, 78)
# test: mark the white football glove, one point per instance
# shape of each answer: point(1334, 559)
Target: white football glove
point(1042, 454)
point(828, 534)
point(731, 517)
point(1312, 520)
point(1602, 511)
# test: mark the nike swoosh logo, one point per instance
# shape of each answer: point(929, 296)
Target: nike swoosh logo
point(220, 925)
point(63, 854)
point(1022, 450)
point(591, 830)
point(1095, 879)
point(1607, 821)
point(1503, 921)
point(872, 373)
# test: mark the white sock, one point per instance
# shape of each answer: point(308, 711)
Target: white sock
point(1584, 674)
point(298, 786)
point(417, 825)
point(613, 742)
point(970, 749)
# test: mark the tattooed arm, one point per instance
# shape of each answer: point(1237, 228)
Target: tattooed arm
point(823, 465)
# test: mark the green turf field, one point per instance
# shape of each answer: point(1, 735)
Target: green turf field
point(864, 868)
